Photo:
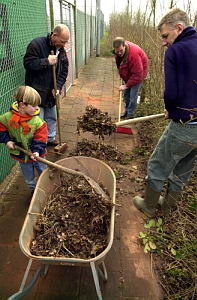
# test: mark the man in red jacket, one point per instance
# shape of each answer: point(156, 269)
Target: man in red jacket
point(132, 64)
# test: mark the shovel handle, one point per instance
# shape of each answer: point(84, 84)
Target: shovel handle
point(120, 103)
point(140, 119)
point(54, 75)
point(49, 163)
point(57, 102)
point(93, 184)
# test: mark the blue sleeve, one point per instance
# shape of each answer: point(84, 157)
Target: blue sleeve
point(4, 134)
point(38, 146)
point(171, 83)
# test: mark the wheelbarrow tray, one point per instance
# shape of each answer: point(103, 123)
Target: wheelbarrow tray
point(94, 168)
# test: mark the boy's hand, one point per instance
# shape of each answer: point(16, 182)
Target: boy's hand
point(36, 154)
point(10, 145)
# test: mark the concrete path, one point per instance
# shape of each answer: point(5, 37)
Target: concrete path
point(130, 274)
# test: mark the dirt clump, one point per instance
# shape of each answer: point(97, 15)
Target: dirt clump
point(95, 121)
point(101, 151)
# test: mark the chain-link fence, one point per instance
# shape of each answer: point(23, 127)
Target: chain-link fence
point(23, 20)
point(20, 22)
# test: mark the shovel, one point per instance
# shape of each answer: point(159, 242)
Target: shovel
point(127, 130)
point(61, 147)
point(93, 184)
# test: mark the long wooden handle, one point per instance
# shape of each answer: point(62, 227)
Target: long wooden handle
point(93, 183)
point(54, 75)
point(120, 102)
point(51, 164)
point(140, 119)
point(57, 102)
point(120, 105)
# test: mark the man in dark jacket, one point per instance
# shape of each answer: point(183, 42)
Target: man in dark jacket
point(38, 62)
point(175, 155)
point(132, 64)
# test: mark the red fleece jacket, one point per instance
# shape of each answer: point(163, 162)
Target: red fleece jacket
point(133, 66)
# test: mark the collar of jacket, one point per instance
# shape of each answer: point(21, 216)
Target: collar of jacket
point(124, 58)
point(125, 54)
point(185, 33)
point(14, 107)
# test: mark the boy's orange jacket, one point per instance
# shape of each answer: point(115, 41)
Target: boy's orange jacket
point(28, 132)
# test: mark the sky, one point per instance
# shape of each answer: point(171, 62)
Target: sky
point(109, 6)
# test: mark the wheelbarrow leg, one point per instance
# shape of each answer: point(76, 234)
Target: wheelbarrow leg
point(24, 290)
point(26, 275)
point(96, 280)
point(103, 273)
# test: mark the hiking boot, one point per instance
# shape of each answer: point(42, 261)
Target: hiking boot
point(123, 116)
point(53, 143)
point(128, 117)
point(147, 204)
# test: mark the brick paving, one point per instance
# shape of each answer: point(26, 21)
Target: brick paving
point(130, 274)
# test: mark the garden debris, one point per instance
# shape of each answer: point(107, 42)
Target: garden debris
point(101, 151)
point(74, 222)
point(96, 121)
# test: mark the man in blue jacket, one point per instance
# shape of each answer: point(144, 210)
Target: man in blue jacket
point(175, 154)
point(38, 62)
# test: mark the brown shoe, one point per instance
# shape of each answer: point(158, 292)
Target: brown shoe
point(52, 143)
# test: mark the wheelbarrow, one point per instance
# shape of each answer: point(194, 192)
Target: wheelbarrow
point(101, 173)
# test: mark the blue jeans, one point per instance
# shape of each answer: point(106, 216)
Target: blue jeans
point(50, 116)
point(130, 98)
point(28, 170)
point(174, 157)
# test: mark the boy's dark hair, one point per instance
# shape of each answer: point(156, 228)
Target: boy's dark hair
point(118, 41)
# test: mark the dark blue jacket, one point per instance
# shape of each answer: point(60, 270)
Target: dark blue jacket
point(180, 67)
point(39, 71)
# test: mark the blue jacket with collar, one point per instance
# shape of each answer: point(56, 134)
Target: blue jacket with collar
point(180, 66)
point(39, 71)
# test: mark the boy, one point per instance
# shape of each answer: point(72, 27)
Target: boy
point(23, 126)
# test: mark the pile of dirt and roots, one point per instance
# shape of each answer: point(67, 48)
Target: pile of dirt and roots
point(95, 121)
point(101, 151)
point(74, 222)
